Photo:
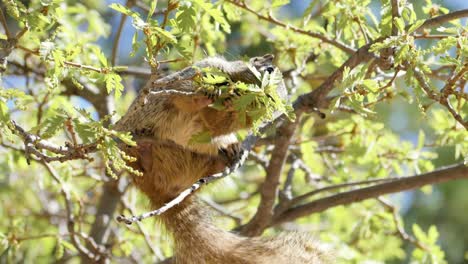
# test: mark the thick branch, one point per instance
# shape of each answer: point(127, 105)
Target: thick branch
point(445, 174)
point(269, 188)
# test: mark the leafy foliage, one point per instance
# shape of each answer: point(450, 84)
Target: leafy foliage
point(68, 77)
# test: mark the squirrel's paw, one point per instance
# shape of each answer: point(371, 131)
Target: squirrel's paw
point(232, 154)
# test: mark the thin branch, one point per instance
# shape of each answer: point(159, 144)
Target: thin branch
point(302, 197)
point(86, 67)
point(458, 171)
point(33, 144)
point(433, 36)
point(220, 209)
point(439, 20)
point(69, 63)
point(277, 22)
point(156, 251)
point(395, 14)
point(443, 100)
point(115, 48)
point(4, 24)
point(141, 72)
point(399, 225)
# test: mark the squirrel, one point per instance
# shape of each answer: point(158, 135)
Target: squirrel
point(162, 125)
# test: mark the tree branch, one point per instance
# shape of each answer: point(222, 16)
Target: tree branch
point(33, 144)
point(458, 171)
point(443, 100)
point(269, 188)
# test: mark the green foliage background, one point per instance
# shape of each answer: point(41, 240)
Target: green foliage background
point(70, 75)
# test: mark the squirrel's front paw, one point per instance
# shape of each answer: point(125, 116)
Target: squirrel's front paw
point(232, 154)
point(213, 94)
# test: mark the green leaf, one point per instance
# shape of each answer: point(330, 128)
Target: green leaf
point(185, 18)
point(114, 83)
point(4, 112)
point(421, 139)
point(123, 9)
point(165, 35)
point(68, 246)
point(242, 102)
point(399, 23)
point(415, 26)
point(86, 132)
point(126, 137)
point(52, 125)
point(59, 249)
point(154, 3)
point(216, 14)
point(15, 8)
point(278, 3)
point(201, 137)
point(102, 58)
point(418, 232)
point(135, 44)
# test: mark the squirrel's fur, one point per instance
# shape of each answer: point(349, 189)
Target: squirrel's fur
point(163, 126)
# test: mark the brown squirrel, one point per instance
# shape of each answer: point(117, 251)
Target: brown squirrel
point(163, 125)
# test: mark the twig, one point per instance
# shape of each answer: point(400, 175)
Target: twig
point(69, 63)
point(86, 67)
point(285, 194)
point(443, 100)
point(439, 20)
point(277, 22)
point(115, 48)
point(400, 230)
point(156, 251)
point(220, 209)
point(259, 159)
point(433, 36)
point(33, 143)
point(4, 24)
point(395, 14)
point(302, 197)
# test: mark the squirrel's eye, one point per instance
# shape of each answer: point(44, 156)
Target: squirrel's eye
point(270, 69)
